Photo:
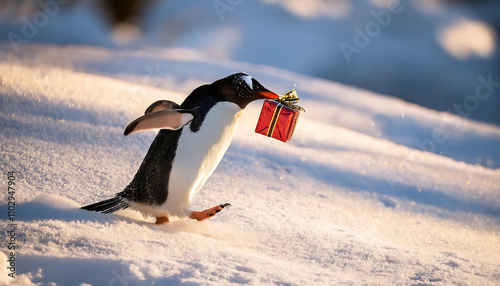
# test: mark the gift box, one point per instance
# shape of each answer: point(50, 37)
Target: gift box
point(278, 117)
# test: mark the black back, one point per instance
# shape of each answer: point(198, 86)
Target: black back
point(154, 173)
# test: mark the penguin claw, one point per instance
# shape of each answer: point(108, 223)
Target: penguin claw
point(222, 207)
point(208, 213)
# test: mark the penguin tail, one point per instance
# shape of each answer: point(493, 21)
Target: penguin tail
point(108, 206)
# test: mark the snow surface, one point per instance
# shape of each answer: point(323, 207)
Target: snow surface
point(350, 200)
point(429, 53)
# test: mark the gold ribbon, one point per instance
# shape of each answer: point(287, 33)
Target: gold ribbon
point(290, 99)
point(274, 121)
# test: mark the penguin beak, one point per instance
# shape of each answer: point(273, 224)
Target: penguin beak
point(262, 91)
point(268, 94)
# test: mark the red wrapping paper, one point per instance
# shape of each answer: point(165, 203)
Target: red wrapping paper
point(277, 120)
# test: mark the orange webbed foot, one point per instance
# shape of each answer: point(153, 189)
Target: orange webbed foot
point(208, 213)
point(161, 220)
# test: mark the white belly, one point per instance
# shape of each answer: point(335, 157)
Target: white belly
point(198, 154)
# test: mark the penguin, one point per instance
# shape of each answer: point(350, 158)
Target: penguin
point(192, 140)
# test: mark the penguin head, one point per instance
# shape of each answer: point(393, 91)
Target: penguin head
point(241, 88)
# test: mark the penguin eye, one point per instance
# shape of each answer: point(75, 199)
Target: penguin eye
point(248, 81)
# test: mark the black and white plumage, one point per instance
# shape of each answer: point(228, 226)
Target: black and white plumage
point(193, 139)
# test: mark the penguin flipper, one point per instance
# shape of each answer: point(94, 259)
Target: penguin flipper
point(161, 105)
point(172, 119)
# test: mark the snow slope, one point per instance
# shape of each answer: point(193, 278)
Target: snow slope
point(431, 56)
point(350, 200)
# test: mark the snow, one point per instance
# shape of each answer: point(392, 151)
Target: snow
point(352, 199)
point(426, 52)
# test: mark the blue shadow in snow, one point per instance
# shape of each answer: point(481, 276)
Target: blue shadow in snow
point(464, 147)
point(384, 189)
point(48, 126)
point(94, 271)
